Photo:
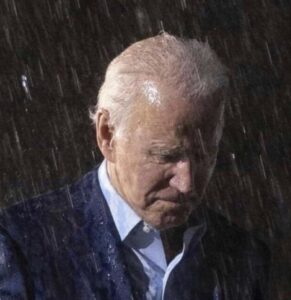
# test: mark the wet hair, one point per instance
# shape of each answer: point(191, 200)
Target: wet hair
point(189, 65)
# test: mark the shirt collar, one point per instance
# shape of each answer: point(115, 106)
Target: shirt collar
point(125, 218)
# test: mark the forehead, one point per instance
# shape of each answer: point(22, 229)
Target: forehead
point(176, 115)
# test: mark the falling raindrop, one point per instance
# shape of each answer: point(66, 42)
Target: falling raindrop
point(24, 84)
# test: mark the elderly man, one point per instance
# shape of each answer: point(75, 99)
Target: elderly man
point(133, 228)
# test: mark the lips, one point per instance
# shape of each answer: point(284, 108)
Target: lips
point(178, 197)
point(175, 200)
point(170, 197)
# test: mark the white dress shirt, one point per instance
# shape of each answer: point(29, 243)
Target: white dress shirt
point(144, 240)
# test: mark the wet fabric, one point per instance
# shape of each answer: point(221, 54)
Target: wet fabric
point(65, 245)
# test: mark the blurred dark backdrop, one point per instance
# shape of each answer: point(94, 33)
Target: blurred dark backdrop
point(53, 55)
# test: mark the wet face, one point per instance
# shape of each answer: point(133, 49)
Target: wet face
point(162, 165)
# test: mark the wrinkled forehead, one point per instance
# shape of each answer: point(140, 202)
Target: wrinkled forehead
point(180, 116)
point(191, 111)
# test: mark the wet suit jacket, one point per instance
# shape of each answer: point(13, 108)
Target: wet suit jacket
point(64, 245)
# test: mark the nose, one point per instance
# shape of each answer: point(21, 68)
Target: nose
point(182, 178)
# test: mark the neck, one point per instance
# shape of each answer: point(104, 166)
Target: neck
point(113, 177)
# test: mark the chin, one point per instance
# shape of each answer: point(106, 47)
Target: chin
point(168, 214)
point(170, 221)
point(169, 225)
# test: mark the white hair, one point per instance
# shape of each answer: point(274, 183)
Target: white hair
point(192, 67)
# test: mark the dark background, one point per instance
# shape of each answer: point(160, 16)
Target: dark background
point(53, 55)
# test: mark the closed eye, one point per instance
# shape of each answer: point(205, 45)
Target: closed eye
point(170, 157)
point(165, 155)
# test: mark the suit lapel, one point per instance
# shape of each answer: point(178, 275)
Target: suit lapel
point(95, 246)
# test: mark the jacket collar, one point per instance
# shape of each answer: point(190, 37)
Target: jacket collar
point(101, 258)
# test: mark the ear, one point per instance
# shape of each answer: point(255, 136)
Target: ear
point(104, 134)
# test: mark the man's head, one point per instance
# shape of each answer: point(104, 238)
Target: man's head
point(159, 119)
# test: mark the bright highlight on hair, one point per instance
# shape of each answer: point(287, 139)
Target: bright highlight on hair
point(151, 92)
point(190, 66)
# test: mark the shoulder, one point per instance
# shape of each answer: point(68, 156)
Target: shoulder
point(229, 245)
point(56, 237)
point(63, 209)
point(237, 253)
point(240, 254)
point(232, 239)
point(59, 199)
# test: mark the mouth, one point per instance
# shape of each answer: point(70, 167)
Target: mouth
point(174, 200)
point(180, 200)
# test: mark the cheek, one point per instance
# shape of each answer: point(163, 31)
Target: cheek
point(149, 180)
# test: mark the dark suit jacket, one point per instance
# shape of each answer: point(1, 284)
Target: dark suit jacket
point(64, 245)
